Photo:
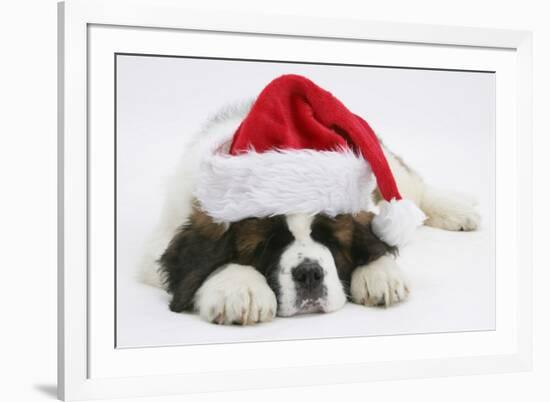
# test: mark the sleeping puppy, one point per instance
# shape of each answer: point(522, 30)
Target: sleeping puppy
point(251, 270)
point(283, 265)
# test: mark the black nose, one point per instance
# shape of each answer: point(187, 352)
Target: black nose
point(308, 274)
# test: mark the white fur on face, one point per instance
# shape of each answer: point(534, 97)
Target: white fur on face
point(304, 247)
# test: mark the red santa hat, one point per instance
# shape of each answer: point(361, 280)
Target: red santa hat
point(300, 150)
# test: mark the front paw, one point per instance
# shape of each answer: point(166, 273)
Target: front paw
point(236, 294)
point(380, 283)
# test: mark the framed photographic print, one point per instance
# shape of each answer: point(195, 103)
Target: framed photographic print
point(244, 198)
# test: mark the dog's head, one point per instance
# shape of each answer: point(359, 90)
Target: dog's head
point(307, 260)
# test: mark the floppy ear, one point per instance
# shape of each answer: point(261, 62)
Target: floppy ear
point(350, 240)
point(198, 249)
point(366, 246)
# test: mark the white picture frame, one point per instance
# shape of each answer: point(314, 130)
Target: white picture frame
point(91, 32)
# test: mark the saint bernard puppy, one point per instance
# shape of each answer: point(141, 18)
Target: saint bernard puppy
point(254, 269)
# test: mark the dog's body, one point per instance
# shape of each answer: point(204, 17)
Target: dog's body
point(251, 270)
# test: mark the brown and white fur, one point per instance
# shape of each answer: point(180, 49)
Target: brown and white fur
point(249, 271)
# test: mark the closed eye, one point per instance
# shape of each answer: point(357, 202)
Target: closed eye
point(323, 234)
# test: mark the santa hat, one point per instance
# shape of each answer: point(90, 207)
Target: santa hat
point(300, 150)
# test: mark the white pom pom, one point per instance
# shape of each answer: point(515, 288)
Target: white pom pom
point(397, 221)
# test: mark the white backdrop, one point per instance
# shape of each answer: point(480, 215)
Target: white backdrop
point(28, 165)
point(441, 122)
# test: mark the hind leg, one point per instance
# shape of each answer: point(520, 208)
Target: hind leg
point(449, 211)
point(444, 210)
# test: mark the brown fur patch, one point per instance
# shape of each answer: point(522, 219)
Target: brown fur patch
point(249, 233)
point(205, 225)
point(342, 228)
point(252, 232)
point(364, 217)
point(343, 225)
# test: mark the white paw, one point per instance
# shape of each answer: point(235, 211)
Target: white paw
point(236, 294)
point(451, 211)
point(464, 218)
point(380, 283)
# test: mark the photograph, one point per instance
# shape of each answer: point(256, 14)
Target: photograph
point(266, 200)
point(250, 201)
